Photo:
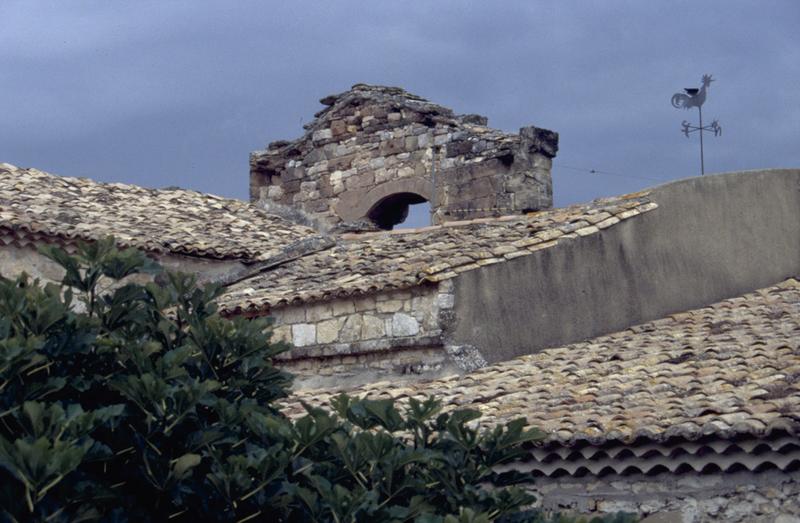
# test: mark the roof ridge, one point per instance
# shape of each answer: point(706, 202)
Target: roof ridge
point(75, 180)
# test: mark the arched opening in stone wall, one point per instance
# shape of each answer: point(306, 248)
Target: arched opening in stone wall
point(394, 209)
point(419, 215)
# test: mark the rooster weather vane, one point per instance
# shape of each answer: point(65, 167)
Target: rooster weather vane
point(696, 98)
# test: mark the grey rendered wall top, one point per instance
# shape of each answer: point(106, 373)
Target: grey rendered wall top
point(711, 238)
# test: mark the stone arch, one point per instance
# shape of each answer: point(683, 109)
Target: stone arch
point(385, 200)
point(393, 209)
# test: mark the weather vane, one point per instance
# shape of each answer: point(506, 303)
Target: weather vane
point(696, 98)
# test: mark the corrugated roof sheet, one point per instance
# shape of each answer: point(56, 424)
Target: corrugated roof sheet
point(179, 221)
point(729, 369)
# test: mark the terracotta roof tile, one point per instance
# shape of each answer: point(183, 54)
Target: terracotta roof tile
point(36, 203)
point(369, 262)
point(731, 368)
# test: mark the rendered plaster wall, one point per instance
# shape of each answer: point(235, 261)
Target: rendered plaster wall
point(743, 497)
point(16, 259)
point(360, 339)
point(376, 142)
point(710, 238)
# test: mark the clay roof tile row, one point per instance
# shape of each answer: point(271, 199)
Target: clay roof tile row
point(726, 370)
point(177, 221)
point(370, 262)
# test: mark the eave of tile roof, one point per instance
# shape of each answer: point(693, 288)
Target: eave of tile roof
point(727, 370)
point(37, 206)
point(373, 262)
point(755, 454)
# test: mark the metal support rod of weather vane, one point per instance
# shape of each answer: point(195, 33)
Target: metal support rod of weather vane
point(702, 159)
point(695, 97)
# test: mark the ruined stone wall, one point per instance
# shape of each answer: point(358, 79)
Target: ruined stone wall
point(375, 150)
point(360, 339)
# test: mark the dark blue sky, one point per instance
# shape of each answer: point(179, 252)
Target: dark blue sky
point(165, 93)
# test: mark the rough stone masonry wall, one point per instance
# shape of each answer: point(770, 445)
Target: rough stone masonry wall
point(360, 339)
point(770, 496)
point(377, 145)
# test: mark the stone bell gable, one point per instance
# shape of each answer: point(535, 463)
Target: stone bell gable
point(375, 150)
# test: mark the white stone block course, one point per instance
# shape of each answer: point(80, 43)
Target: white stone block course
point(304, 334)
point(404, 325)
point(373, 327)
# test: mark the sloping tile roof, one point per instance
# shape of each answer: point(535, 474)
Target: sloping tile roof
point(38, 204)
point(370, 262)
point(732, 368)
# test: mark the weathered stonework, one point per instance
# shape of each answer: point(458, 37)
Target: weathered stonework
point(745, 497)
point(392, 334)
point(375, 150)
point(364, 338)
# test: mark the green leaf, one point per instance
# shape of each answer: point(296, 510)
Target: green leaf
point(183, 466)
point(148, 405)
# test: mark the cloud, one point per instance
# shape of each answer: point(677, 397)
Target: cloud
point(179, 92)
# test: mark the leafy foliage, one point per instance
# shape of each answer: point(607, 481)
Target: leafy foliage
point(122, 401)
